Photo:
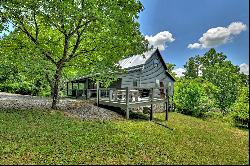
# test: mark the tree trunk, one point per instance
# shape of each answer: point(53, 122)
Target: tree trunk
point(51, 85)
point(55, 90)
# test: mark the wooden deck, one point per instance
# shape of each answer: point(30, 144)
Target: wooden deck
point(122, 103)
point(126, 98)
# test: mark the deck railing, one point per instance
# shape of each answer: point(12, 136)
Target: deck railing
point(126, 98)
point(134, 95)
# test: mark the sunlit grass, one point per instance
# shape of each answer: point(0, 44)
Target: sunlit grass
point(39, 137)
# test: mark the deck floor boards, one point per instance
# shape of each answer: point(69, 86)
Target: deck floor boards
point(122, 103)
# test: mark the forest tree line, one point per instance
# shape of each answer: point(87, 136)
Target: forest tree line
point(212, 87)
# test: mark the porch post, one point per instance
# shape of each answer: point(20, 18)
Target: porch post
point(151, 100)
point(71, 88)
point(167, 102)
point(97, 93)
point(127, 102)
point(77, 89)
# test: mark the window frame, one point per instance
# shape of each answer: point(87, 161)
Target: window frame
point(135, 82)
point(156, 62)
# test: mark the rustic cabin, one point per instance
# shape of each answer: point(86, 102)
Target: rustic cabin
point(142, 71)
point(148, 71)
point(144, 82)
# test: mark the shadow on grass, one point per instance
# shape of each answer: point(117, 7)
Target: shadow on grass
point(164, 125)
point(132, 115)
point(138, 116)
point(242, 127)
point(114, 109)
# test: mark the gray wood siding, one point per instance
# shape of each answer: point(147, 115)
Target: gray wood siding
point(127, 79)
point(170, 89)
point(148, 75)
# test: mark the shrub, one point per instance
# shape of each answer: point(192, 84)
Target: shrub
point(25, 88)
point(240, 109)
point(194, 97)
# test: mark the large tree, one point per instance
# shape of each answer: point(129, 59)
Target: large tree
point(215, 68)
point(192, 67)
point(226, 77)
point(89, 35)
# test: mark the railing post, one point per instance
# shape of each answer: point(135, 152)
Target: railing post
point(115, 95)
point(151, 100)
point(167, 101)
point(137, 95)
point(110, 95)
point(87, 93)
point(151, 112)
point(77, 90)
point(127, 102)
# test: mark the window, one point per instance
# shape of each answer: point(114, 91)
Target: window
point(155, 62)
point(169, 88)
point(135, 82)
point(169, 84)
point(157, 83)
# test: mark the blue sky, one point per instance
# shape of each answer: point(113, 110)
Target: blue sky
point(172, 25)
point(186, 21)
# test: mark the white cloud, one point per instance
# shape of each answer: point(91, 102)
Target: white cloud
point(160, 39)
point(195, 45)
point(179, 72)
point(244, 68)
point(236, 28)
point(220, 35)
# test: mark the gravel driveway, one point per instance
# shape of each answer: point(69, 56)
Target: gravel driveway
point(81, 108)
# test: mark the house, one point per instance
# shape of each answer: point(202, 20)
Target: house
point(142, 71)
point(146, 71)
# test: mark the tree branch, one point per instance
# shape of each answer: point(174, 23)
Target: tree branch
point(61, 62)
point(27, 33)
point(23, 28)
point(79, 25)
point(79, 53)
point(36, 26)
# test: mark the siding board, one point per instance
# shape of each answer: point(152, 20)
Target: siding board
point(147, 75)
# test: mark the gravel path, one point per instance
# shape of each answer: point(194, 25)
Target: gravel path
point(81, 108)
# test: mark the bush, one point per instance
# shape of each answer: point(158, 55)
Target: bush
point(25, 88)
point(194, 97)
point(240, 109)
point(214, 114)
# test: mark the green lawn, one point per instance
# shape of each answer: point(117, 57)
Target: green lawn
point(38, 137)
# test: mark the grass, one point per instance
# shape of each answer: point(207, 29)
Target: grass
point(51, 137)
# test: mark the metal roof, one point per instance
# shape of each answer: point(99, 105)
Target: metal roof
point(136, 60)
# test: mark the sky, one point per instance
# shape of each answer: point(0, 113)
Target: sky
point(185, 28)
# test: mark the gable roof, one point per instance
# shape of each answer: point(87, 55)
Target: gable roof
point(136, 60)
point(139, 60)
point(164, 64)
